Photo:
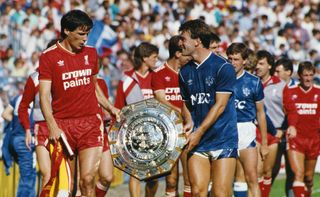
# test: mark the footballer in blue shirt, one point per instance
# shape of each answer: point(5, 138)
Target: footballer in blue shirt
point(249, 105)
point(207, 88)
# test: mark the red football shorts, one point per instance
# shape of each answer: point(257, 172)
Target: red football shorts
point(310, 147)
point(41, 133)
point(84, 132)
point(271, 139)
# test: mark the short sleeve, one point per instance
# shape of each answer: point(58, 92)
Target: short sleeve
point(45, 69)
point(157, 82)
point(95, 69)
point(290, 107)
point(259, 95)
point(226, 79)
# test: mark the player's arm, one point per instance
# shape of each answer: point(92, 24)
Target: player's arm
point(27, 98)
point(45, 103)
point(187, 119)
point(216, 110)
point(185, 113)
point(104, 102)
point(291, 112)
point(120, 98)
point(7, 114)
point(160, 95)
point(261, 118)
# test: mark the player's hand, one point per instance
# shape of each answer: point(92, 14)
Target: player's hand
point(54, 134)
point(28, 139)
point(264, 151)
point(193, 140)
point(279, 134)
point(187, 127)
point(116, 112)
point(292, 132)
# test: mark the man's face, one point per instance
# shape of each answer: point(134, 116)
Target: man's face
point(214, 47)
point(188, 44)
point(237, 61)
point(77, 38)
point(262, 68)
point(306, 78)
point(281, 73)
point(151, 60)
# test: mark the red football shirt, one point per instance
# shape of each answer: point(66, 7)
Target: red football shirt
point(303, 109)
point(167, 79)
point(71, 74)
point(144, 82)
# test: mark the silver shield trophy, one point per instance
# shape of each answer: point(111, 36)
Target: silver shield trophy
point(148, 140)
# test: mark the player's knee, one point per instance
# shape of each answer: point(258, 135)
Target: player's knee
point(171, 183)
point(308, 181)
point(267, 171)
point(87, 180)
point(221, 191)
point(252, 178)
point(106, 179)
point(197, 190)
point(299, 175)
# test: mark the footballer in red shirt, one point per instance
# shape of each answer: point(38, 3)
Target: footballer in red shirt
point(136, 86)
point(30, 98)
point(301, 103)
point(273, 88)
point(67, 74)
point(165, 85)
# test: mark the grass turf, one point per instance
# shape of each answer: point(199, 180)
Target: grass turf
point(277, 189)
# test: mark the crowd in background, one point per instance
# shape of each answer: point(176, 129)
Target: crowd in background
point(285, 28)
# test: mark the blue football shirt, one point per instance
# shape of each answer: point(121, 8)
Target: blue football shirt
point(248, 91)
point(199, 85)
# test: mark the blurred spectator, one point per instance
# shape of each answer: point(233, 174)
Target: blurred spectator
point(20, 69)
point(315, 40)
point(27, 26)
point(297, 54)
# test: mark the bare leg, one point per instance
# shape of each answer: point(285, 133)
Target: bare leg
point(223, 171)
point(186, 181)
point(270, 160)
point(134, 187)
point(151, 188)
point(249, 162)
point(172, 181)
point(309, 173)
point(297, 160)
point(89, 163)
point(106, 169)
point(199, 175)
point(44, 161)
